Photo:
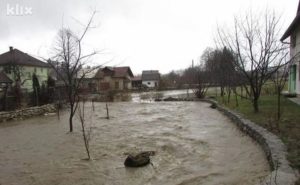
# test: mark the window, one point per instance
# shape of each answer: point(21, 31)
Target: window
point(293, 71)
point(149, 83)
point(41, 69)
point(116, 85)
point(35, 70)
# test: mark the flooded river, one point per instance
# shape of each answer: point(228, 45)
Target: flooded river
point(152, 95)
point(194, 145)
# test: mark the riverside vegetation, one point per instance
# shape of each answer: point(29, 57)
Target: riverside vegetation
point(287, 127)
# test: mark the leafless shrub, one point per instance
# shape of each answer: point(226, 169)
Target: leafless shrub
point(107, 112)
point(69, 64)
point(86, 132)
point(259, 52)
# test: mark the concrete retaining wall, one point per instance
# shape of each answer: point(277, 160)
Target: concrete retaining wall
point(275, 150)
point(26, 113)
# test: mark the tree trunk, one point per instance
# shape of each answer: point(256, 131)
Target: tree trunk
point(223, 99)
point(255, 105)
point(236, 99)
point(242, 92)
point(222, 91)
point(228, 96)
point(187, 93)
point(36, 97)
point(86, 144)
point(71, 118)
point(18, 94)
point(85, 139)
point(278, 105)
point(84, 134)
point(93, 105)
point(71, 122)
point(58, 113)
point(107, 112)
point(58, 105)
point(4, 99)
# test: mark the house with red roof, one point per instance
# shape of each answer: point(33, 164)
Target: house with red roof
point(114, 78)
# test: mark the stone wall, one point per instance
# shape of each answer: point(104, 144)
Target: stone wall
point(275, 150)
point(26, 113)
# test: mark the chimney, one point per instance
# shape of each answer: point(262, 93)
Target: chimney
point(11, 48)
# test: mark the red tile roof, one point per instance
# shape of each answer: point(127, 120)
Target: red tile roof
point(20, 58)
point(115, 72)
point(122, 72)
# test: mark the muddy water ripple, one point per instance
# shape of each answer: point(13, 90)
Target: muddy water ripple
point(194, 145)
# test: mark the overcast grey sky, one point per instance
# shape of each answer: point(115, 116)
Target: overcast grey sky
point(142, 34)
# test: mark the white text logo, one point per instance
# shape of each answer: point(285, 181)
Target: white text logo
point(18, 10)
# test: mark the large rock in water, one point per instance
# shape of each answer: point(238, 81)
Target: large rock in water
point(139, 160)
point(170, 99)
point(157, 99)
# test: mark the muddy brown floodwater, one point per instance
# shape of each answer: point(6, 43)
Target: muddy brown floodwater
point(194, 145)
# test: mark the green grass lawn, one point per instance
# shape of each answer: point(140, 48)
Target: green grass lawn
point(289, 124)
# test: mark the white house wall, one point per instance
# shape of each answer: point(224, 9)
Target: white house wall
point(297, 80)
point(150, 84)
point(295, 51)
point(129, 86)
point(26, 76)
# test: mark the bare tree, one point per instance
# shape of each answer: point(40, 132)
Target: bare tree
point(107, 111)
point(202, 83)
point(69, 64)
point(223, 73)
point(17, 72)
point(188, 78)
point(86, 133)
point(4, 97)
point(279, 79)
point(203, 74)
point(170, 80)
point(255, 41)
point(36, 90)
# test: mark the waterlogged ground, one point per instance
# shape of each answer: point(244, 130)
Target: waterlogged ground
point(194, 145)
